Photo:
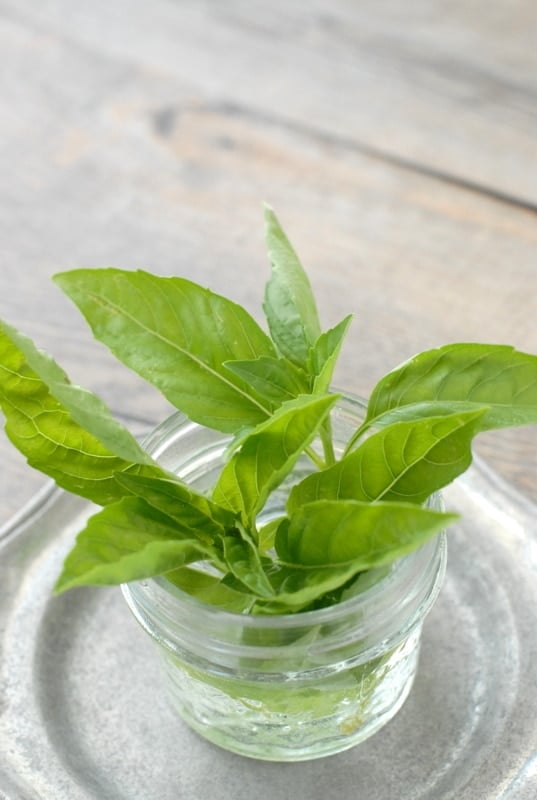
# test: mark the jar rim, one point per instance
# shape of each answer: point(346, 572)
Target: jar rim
point(402, 570)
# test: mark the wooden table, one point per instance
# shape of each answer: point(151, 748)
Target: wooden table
point(396, 141)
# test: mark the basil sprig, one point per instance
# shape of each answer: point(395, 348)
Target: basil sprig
point(270, 392)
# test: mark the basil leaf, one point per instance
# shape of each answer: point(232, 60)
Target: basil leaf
point(267, 534)
point(46, 430)
point(85, 408)
point(331, 532)
point(297, 588)
point(127, 541)
point(194, 511)
point(177, 335)
point(289, 303)
point(209, 589)
point(268, 454)
point(459, 377)
point(405, 461)
point(324, 354)
point(274, 379)
point(242, 558)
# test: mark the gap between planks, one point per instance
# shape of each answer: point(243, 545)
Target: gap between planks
point(353, 145)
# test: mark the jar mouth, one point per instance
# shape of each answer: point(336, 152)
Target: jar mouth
point(405, 572)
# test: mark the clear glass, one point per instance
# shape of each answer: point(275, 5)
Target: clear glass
point(296, 686)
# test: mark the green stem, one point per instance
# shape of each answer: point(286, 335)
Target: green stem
point(317, 460)
point(328, 445)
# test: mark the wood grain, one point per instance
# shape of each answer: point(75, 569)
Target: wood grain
point(447, 88)
point(151, 139)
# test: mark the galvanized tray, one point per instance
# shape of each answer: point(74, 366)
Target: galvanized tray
point(83, 714)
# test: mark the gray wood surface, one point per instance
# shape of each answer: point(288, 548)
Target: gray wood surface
point(397, 143)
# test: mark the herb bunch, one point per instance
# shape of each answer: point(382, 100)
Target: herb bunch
point(355, 512)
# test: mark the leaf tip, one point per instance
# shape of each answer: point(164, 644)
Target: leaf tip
point(272, 224)
point(61, 586)
point(59, 278)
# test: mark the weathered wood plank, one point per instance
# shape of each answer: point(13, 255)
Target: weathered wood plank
point(449, 88)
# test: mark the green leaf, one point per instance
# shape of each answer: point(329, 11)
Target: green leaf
point(192, 510)
point(243, 560)
point(332, 532)
point(209, 589)
point(406, 461)
point(324, 354)
point(297, 587)
point(268, 454)
point(267, 534)
point(274, 379)
point(177, 335)
point(460, 377)
point(127, 541)
point(85, 408)
point(289, 303)
point(41, 410)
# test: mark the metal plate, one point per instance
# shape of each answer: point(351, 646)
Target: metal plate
point(82, 713)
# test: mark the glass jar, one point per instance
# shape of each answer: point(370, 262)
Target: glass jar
point(287, 687)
